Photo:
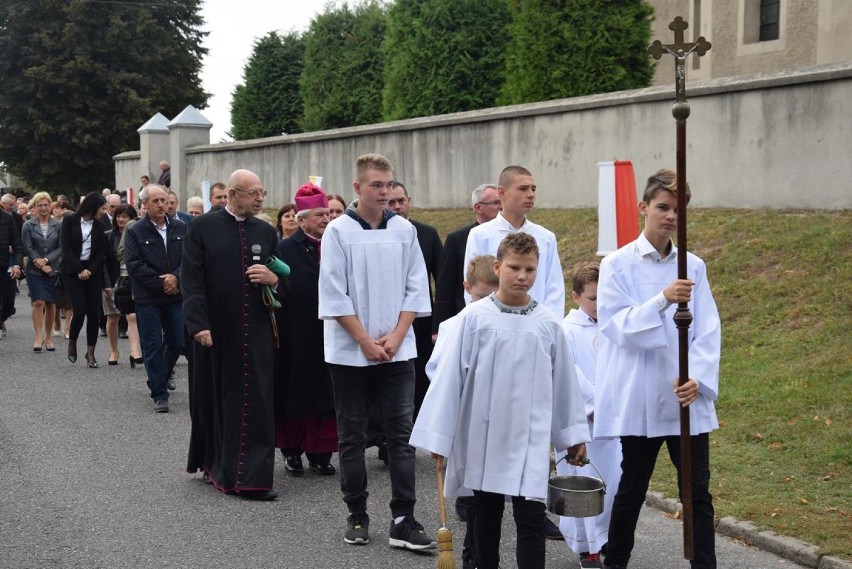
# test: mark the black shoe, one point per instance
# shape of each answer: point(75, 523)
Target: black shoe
point(161, 406)
point(258, 495)
point(293, 465)
point(122, 335)
point(72, 351)
point(357, 532)
point(590, 561)
point(463, 505)
point(551, 530)
point(103, 333)
point(37, 349)
point(383, 453)
point(321, 468)
point(50, 348)
point(91, 362)
point(409, 534)
point(112, 362)
point(134, 361)
point(206, 478)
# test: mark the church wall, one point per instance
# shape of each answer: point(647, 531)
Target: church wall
point(779, 140)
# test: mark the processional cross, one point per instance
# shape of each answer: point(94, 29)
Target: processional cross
point(683, 317)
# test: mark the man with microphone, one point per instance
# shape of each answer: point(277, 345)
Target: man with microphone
point(224, 281)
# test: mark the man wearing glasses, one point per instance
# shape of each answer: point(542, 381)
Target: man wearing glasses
point(449, 289)
point(231, 358)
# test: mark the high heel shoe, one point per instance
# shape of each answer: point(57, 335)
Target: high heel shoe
point(134, 361)
point(72, 351)
point(90, 357)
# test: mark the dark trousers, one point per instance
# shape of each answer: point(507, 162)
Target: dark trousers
point(7, 294)
point(639, 456)
point(85, 297)
point(529, 521)
point(390, 388)
point(162, 338)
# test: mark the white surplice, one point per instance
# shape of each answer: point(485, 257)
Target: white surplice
point(638, 357)
point(372, 274)
point(549, 286)
point(504, 388)
point(589, 534)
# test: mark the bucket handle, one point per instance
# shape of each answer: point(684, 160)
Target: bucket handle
point(586, 461)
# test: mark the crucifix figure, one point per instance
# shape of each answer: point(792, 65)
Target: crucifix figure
point(681, 49)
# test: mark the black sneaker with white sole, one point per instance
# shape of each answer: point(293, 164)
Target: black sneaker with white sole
point(357, 532)
point(409, 534)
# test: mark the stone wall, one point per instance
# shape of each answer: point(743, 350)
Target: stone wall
point(780, 140)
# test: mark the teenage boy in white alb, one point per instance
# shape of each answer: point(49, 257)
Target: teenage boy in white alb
point(372, 285)
point(636, 393)
point(517, 189)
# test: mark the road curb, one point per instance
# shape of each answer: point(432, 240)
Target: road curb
point(789, 548)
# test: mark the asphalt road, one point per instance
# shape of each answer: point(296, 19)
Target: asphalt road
point(90, 477)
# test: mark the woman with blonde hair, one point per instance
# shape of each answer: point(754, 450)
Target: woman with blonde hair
point(41, 241)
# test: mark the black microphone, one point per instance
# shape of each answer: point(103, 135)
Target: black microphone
point(255, 257)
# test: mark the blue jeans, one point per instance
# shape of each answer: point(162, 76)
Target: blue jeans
point(390, 388)
point(162, 337)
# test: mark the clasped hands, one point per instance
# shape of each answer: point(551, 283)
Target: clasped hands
point(382, 350)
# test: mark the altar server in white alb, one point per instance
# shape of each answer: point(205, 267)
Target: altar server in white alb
point(636, 392)
point(586, 536)
point(372, 285)
point(517, 190)
point(504, 389)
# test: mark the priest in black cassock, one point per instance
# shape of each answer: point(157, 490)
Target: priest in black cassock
point(230, 381)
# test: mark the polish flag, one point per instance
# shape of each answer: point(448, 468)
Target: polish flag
point(131, 197)
point(618, 208)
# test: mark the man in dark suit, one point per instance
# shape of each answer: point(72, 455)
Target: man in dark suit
point(399, 202)
point(11, 259)
point(449, 292)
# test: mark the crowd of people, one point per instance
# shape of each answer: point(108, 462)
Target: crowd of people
point(318, 332)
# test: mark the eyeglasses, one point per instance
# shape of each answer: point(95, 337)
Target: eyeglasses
point(492, 203)
point(254, 194)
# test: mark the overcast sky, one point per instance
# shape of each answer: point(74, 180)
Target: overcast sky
point(234, 26)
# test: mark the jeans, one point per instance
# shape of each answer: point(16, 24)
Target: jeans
point(389, 387)
point(529, 521)
point(162, 337)
point(639, 456)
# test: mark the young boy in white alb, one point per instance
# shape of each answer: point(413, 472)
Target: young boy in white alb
point(480, 281)
point(586, 536)
point(637, 396)
point(503, 391)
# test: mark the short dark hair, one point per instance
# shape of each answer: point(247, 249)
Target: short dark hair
point(123, 209)
point(398, 184)
point(585, 273)
point(520, 243)
point(507, 176)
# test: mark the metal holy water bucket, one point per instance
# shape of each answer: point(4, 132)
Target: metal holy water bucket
point(576, 496)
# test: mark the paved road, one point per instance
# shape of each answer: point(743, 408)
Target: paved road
point(90, 477)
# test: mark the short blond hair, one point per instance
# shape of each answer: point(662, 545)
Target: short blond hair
point(663, 180)
point(371, 161)
point(38, 197)
point(480, 270)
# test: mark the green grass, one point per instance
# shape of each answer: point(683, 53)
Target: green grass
point(783, 284)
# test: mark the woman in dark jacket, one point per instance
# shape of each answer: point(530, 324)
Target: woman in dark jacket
point(84, 249)
point(40, 238)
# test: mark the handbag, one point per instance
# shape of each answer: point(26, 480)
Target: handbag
point(122, 296)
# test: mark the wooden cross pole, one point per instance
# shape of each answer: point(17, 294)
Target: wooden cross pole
point(683, 317)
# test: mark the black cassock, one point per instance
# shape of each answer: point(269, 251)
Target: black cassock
point(230, 384)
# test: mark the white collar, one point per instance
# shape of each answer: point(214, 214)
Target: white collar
point(644, 247)
point(505, 224)
point(237, 217)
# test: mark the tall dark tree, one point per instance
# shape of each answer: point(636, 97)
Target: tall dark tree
point(269, 103)
point(342, 79)
point(567, 48)
point(78, 78)
point(443, 56)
